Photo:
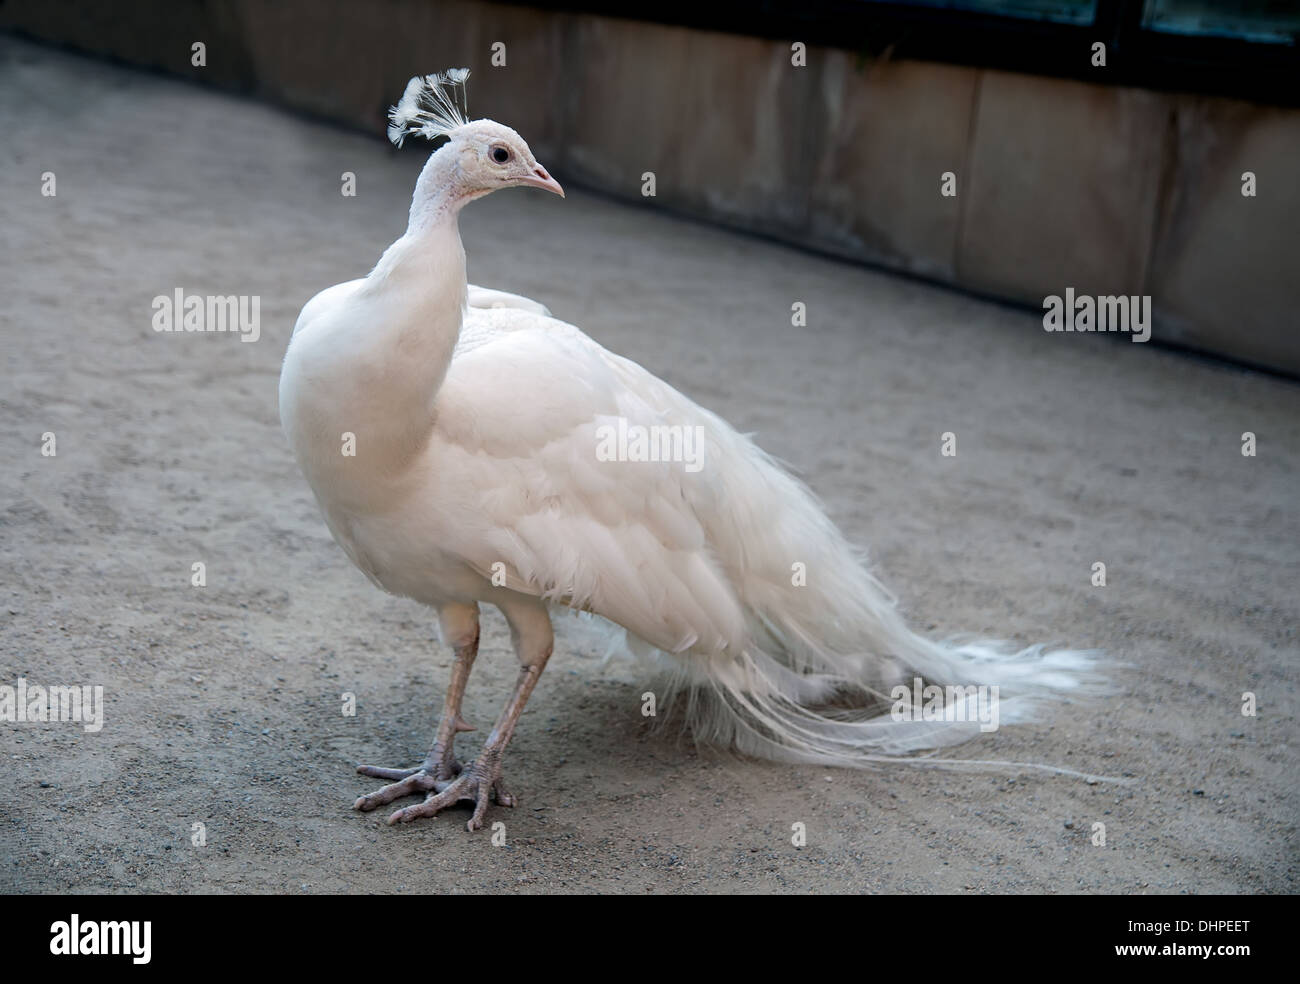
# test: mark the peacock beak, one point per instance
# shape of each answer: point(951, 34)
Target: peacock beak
point(540, 179)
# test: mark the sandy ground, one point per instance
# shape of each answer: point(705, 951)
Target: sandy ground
point(223, 702)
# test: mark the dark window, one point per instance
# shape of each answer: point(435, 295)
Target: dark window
point(1261, 21)
point(1059, 11)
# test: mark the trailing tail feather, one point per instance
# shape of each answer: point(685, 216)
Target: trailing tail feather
point(817, 679)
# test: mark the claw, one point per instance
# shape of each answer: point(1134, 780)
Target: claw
point(480, 807)
point(503, 795)
point(377, 773)
point(413, 783)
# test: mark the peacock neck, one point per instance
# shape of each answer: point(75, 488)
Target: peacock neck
point(392, 361)
point(367, 372)
point(423, 288)
point(440, 193)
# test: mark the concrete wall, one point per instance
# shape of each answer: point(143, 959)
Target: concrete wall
point(1060, 183)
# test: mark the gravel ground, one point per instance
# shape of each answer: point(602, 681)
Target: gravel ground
point(223, 703)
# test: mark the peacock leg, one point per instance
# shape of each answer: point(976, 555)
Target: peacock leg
point(530, 628)
point(460, 626)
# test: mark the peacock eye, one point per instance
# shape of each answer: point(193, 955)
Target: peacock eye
point(500, 155)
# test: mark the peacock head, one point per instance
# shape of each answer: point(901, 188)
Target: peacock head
point(480, 156)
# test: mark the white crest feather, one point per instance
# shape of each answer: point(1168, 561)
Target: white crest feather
point(432, 106)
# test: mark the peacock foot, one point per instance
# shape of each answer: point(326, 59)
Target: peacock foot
point(477, 784)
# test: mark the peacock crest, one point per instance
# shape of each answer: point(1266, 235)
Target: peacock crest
point(431, 107)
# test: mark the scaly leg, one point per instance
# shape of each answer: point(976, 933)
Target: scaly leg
point(460, 628)
point(530, 628)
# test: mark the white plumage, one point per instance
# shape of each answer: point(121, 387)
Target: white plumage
point(476, 421)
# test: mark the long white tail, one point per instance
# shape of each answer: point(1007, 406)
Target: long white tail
point(816, 681)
